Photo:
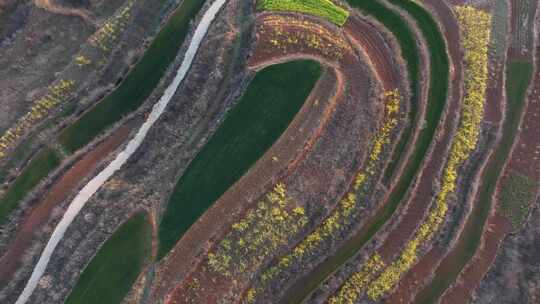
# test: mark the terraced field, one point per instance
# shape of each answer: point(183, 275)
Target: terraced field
point(275, 151)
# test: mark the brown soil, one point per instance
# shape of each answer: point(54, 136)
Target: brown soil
point(281, 36)
point(497, 227)
point(369, 39)
point(415, 278)
point(494, 92)
point(68, 183)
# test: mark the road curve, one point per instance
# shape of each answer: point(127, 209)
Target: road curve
point(93, 186)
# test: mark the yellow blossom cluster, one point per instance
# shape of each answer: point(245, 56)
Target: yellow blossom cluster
point(105, 37)
point(355, 285)
point(475, 28)
point(287, 33)
point(258, 234)
point(82, 60)
point(341, 215)
point(56, 94)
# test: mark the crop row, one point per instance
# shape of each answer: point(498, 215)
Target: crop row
point(347, 208)
point(258, 234)
point(105, 37)
point(56, 94)
point(475, 34)
point(325, 9)
point(286, 33)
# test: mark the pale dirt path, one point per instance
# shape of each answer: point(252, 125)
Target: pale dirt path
point(62, 10)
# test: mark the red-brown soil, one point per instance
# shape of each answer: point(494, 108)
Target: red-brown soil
point(59, 192)
point(369, 39)
point(415, 278)
point(497, 227)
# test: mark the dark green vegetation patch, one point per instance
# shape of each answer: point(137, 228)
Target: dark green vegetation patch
point(517, 193)
point(113, 270)
point(38, 168)
point(269, 104)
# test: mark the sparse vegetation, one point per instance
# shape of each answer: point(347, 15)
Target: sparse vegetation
point(306, 33)
point(107, 35)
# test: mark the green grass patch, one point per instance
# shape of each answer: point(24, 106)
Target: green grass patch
point(38, 168)
point(517, 193)
point(113, 270)
point(439, 74)
point(519, 74)
point(325, 9)
point(139, 83)
point(270, 102)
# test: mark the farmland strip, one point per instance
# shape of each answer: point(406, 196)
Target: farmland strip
point(115, 267)
point(439, 70)
point(265, 110)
